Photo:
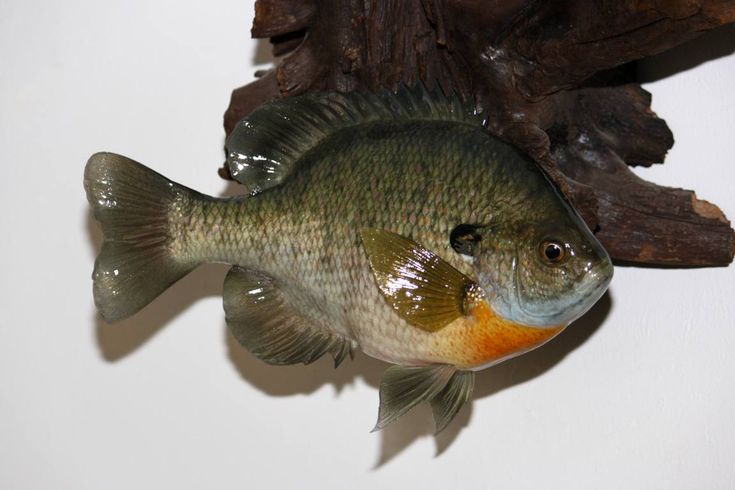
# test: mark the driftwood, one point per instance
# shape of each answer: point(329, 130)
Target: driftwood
point(547, 74)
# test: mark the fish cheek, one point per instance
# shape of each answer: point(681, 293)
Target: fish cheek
point(538, 280)
point(495, 270)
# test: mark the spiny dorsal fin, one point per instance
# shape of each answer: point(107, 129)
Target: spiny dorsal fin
point(263, 320)
point(265, 146)
point(402, 388)
point(450, 400)
point(422, 288)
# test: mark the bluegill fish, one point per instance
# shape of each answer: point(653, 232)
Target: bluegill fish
point(393, 223)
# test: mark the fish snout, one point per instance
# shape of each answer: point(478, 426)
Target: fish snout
point(592, 287)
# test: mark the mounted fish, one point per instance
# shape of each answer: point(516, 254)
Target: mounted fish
point(392, 223)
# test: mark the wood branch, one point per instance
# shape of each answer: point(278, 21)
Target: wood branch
point(557, 45)
point(602, 130)
point(547, 75)
point(279, 17)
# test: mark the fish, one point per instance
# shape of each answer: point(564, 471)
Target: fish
point(391, 223)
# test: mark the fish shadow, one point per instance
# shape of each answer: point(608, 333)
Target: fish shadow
point(302, 379)
point(405, 431)
point(116, 341)
point(299, 379)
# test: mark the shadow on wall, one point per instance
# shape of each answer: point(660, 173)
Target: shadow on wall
point(709, 46)
point(263, 53)
point(117, 341)
point(125, 337)
point(401, 434)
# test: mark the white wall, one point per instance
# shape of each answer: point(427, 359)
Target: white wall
point(639, 394)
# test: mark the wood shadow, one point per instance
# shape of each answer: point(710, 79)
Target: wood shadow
point(711, 45)
point(263, 53)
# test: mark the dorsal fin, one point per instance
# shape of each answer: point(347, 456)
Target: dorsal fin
point(265, 146)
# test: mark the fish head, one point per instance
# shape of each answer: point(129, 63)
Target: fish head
point(545, 273)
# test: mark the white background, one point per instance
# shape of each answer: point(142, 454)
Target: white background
point(638, 394)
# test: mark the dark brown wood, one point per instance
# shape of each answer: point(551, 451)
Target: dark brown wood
point(548, 75)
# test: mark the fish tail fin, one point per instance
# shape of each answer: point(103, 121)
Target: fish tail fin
point(138, 259)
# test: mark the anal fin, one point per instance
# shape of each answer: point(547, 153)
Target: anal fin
point(452, 398)
point(404, 387)
point(264, 321)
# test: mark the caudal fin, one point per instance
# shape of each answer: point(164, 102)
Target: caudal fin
point(133, 205)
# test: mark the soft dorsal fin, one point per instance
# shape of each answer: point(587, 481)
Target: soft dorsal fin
point(265, 146)
point(424, 289)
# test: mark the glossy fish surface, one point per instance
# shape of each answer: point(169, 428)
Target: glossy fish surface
point(393, 223)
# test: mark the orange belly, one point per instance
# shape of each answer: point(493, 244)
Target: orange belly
point(482, 338)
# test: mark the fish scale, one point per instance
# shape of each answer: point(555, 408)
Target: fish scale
point(419, 170)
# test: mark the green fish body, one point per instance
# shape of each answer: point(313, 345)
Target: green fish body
point(377, 222)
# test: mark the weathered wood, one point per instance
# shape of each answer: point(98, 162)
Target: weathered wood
point(544, 72)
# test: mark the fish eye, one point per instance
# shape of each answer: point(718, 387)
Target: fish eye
point(464, 238)
point(553, 251)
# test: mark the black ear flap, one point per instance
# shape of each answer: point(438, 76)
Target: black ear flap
point(464, 239)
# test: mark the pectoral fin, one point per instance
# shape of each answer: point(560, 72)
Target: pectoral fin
point(423, 288)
